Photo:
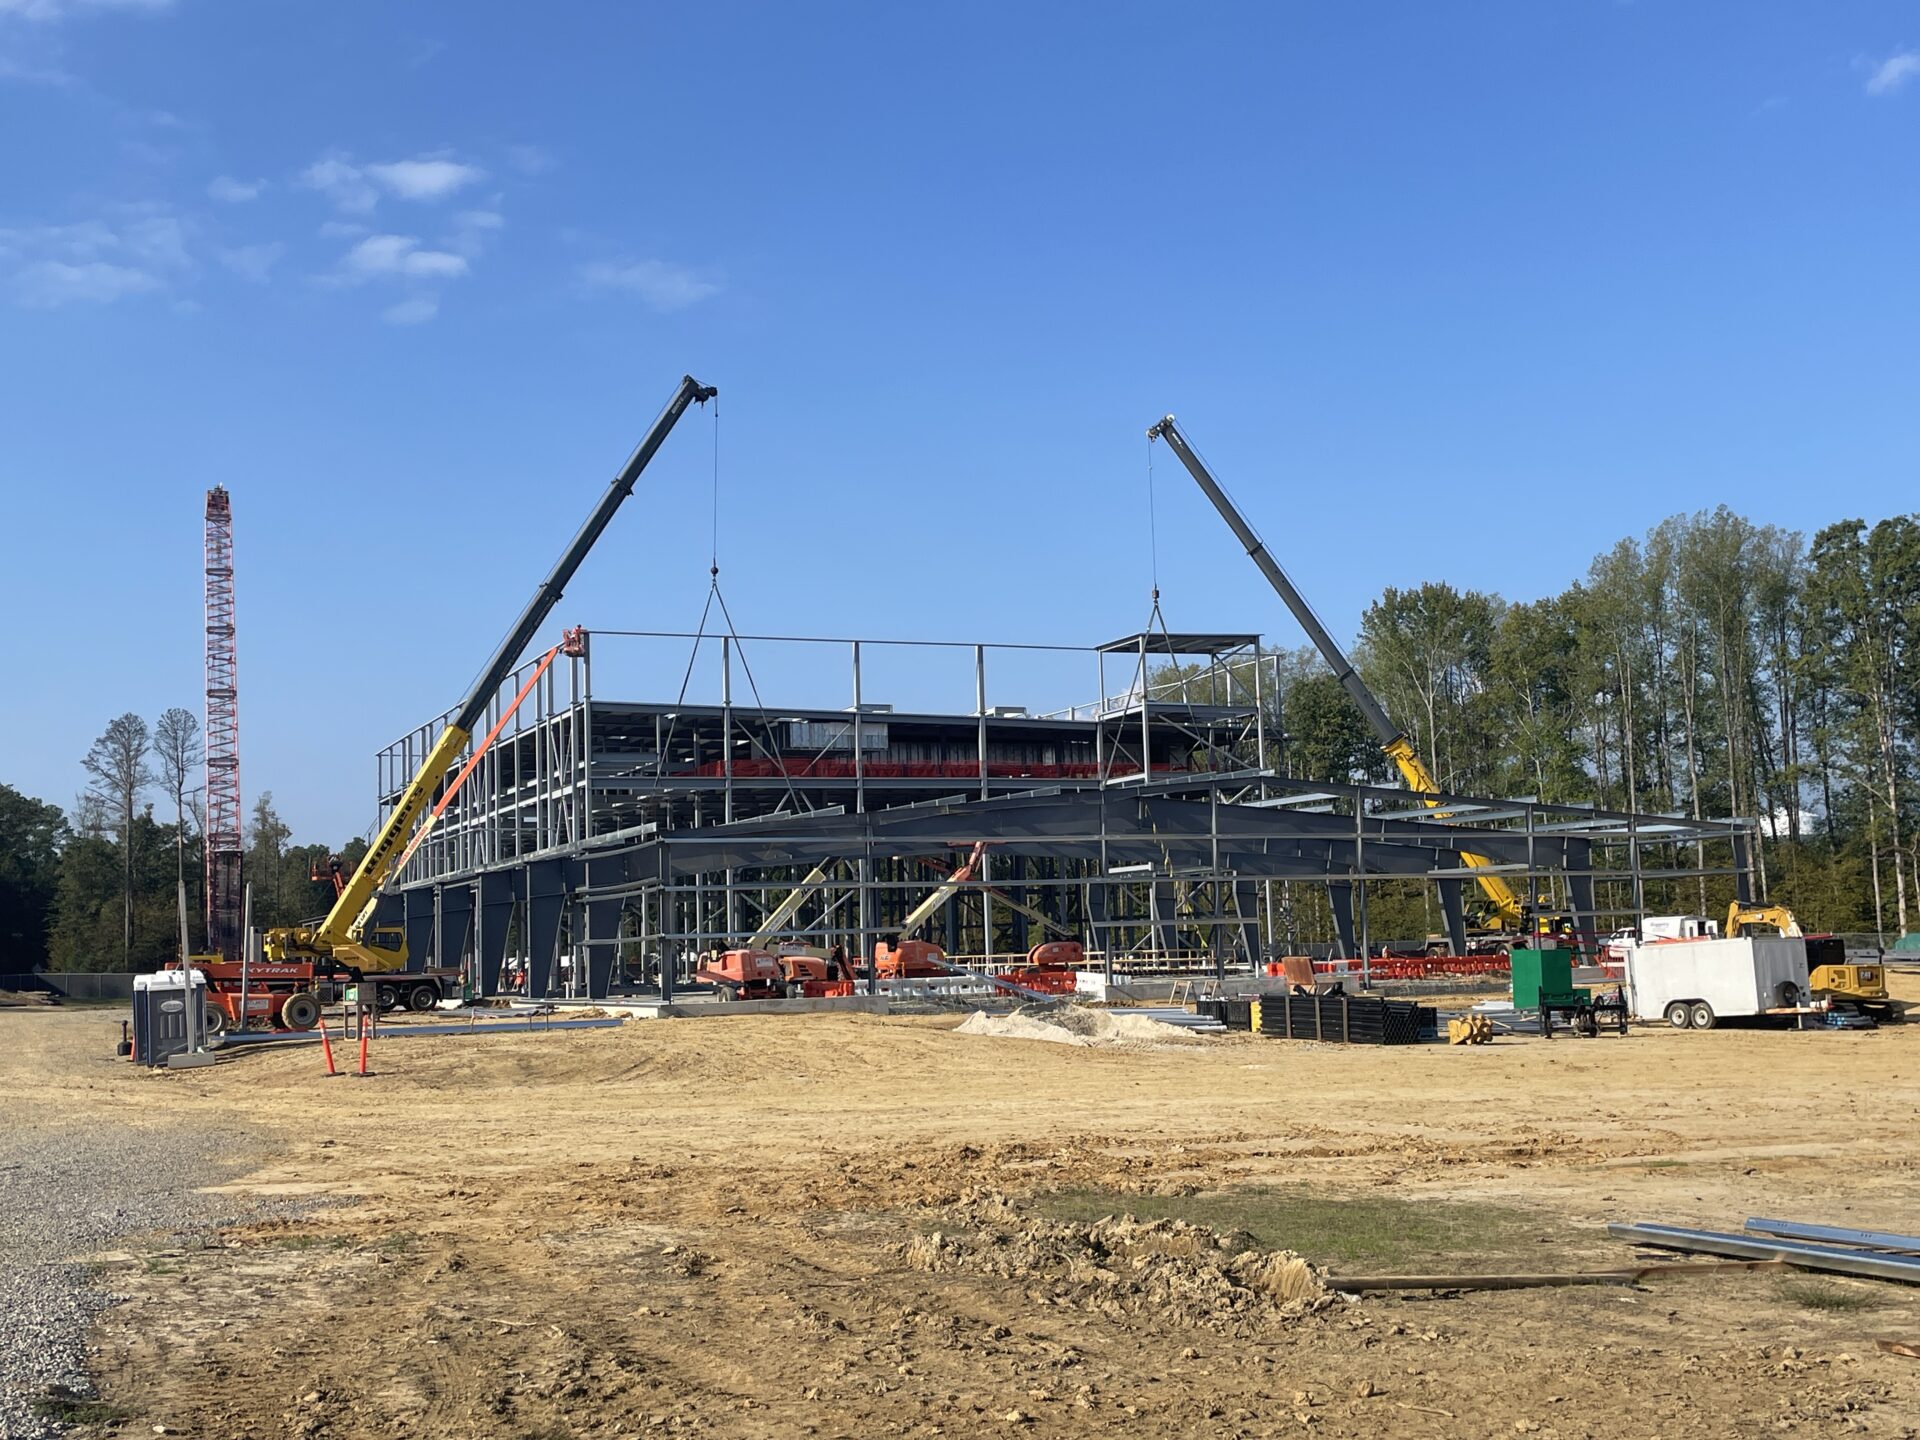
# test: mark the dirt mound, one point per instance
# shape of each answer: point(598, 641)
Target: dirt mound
point(1078, 1025)
point(1120, 1266)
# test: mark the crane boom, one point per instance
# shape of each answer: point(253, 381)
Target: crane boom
point(1393, 739)
point(944, 892)
point(342, 931)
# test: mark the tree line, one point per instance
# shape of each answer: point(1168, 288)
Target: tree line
point(1712, 667)
point(98, 886)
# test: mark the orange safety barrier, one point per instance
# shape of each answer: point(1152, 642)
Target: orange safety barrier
point(1427, 967)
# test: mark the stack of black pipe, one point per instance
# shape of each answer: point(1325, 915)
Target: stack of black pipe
point(1341, 1019)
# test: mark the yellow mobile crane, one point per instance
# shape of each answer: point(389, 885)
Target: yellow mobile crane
point(1510, 911)
point(345, 938)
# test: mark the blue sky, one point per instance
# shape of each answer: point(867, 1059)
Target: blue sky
point(1460, 292)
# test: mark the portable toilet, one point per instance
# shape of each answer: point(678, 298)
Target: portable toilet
point(160, 1014)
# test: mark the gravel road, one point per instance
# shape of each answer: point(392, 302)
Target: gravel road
point(67, 1191)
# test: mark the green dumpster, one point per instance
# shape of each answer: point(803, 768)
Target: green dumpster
point(1544, 974)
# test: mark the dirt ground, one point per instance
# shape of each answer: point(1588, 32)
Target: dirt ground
point(854, 1226)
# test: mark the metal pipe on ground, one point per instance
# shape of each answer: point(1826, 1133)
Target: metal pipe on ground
point(1797, 1253)
point(1629, 1275)
point(1836, 1235)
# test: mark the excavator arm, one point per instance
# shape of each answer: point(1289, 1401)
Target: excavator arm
point(343, 933)
point(1500, 897)
point(1740, 917)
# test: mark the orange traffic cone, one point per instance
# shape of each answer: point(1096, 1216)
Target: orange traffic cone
point(326, 1049)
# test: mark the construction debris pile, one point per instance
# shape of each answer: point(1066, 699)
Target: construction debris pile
point(1079, 1025)
point(1119, 1266)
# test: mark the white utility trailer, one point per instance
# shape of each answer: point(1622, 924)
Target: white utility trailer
point(1695, 983)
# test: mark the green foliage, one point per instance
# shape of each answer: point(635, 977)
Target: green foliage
point(101, 891)
point(32, 834)
point(1713, 666)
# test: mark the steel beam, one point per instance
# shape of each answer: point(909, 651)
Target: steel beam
point(1836, 1235)
point(1873, 1265)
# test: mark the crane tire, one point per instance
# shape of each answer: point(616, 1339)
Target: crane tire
point(423, 997)
point(389, 997)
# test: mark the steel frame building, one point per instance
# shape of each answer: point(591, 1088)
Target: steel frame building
point(608, 842)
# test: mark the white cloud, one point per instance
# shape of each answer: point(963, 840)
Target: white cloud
point(29, 73)
point(416, 311)
point(229, 191)
point(63, 9)
point(157, 240)
point(47, 284)
point(342, 183)
point(529, 159)
point(662, 285)
point(253, 262)
point(471, 229)
point(140, 250)
point(1893, 72)
point(401, 255)
point(425, 178)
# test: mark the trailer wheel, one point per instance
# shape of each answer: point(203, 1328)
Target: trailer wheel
point(423, 997)
point(300, 1012)
point(1702, 1015)
point(1678, 1015)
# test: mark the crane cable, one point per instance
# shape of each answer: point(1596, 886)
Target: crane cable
point(715, 564)
point(1153, 531)
point(733, 633)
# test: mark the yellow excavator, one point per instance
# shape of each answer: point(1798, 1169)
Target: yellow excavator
point(1509, 911)
point(1830, 975)
point(348, 938)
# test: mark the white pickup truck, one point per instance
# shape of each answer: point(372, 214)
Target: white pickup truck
point(1693, 984)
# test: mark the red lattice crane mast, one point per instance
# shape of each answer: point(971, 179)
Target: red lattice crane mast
point(224, 893)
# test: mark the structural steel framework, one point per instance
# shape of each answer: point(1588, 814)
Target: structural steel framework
point(607, 843)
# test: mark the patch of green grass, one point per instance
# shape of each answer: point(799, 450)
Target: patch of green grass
point(161, 1265)
point(1830, 1295)
point(303, 1241)
point(1350, 1233)
point(66, 1408)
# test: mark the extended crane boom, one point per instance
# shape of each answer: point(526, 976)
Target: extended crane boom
point(1393, 740)
point(341, 935)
